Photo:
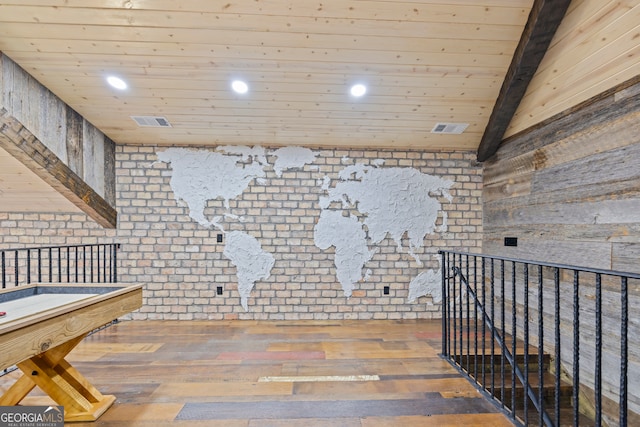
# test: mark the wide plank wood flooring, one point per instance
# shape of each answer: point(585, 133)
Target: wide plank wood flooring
point(261, 374)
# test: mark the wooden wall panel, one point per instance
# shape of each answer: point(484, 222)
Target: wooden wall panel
point(626, 256)
point(570, 188)
point(602, 167)
point(36, 107)
point(594, 255)
point(94, 157)
point(59, 146)
point(109, 171)
point(74, 141)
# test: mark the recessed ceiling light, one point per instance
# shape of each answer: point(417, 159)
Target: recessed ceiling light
point(117, 82)
point(358, 90)
point(239, 86)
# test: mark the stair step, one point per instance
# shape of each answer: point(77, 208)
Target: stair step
point(566, 408)
point(471, 345)
point(548, 391)
point(523, 356)
point(566, 417)
point(476, 363)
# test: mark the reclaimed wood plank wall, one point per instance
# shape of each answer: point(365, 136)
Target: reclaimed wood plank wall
point(70, 137)
point(569, 188)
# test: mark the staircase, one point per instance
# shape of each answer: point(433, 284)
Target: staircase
point(559, 307)
point(491, 370)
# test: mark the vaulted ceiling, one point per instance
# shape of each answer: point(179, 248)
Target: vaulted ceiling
point(423, 63)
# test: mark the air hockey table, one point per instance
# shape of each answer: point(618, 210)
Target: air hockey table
point(42, 324)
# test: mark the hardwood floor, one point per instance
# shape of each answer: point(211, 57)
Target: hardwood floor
point(260, 374)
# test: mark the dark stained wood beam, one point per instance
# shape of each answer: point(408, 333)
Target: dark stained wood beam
point(18, 141)
point(544, 19)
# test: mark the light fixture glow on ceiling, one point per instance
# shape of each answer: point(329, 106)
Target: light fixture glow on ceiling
point(117, 82)
point(239, 86)
point(358, 90)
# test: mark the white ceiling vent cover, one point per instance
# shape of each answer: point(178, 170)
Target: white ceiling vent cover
point(151, 121)
point(449, 128)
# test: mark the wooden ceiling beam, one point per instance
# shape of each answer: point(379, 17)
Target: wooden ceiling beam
point(544, 19)
point(18, 141)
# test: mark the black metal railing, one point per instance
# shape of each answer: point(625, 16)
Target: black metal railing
point(96, 263)
point(538, 337)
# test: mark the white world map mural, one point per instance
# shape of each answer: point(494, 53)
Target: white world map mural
point(360, 207)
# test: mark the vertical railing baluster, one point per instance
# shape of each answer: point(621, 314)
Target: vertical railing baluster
point(76, 261)
point(28, 265)
point(104, 263)
point(98, 262)
point(484, 325)
point(513, 332)
point(452, 310)
point(461, 305)
point(445, 299)
point(557, 348)
point(84, 263)
point(59, 264)
point(455, 314)
point(468, 355)
point(39, 265)
point(50, 265)
point(525, 326)
point(91, 263)
point(4, 275)
point(110, 262)
point(624, 350)
point(450, 305)
point(475, 319)
point(68, 264)
point(540, 345)
point(504, 335)
point(116, 247)
point(598, 367)
point(576, 347)
point(493, 316)
point(17, 269)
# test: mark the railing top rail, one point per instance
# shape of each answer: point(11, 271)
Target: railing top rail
point(548, 264)
point(82, 245)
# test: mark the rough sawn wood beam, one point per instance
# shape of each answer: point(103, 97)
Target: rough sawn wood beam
point(544, 19)
point(18, 141)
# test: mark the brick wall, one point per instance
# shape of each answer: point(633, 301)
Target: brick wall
point(182, 264)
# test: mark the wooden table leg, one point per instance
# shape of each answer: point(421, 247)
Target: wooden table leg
point(62, 382)
point(17, 391)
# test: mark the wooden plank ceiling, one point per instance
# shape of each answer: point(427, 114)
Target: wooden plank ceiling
point(424, 62)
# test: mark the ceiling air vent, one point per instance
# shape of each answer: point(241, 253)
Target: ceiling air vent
point(151, 121)
point(449, 128)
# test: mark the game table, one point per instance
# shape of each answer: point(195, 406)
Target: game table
point(43, 323)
